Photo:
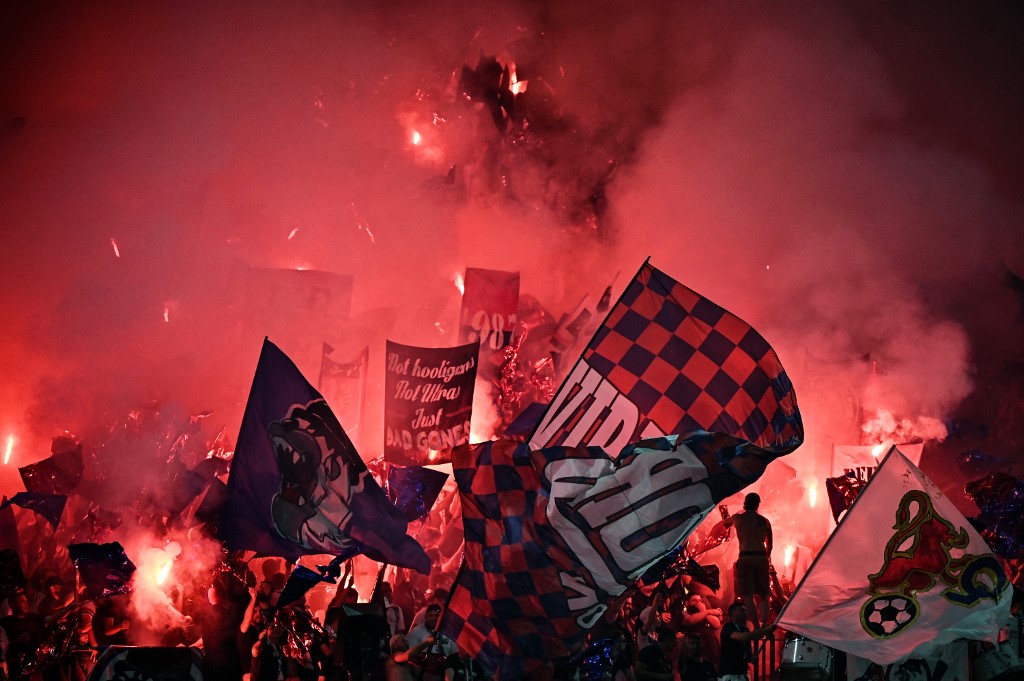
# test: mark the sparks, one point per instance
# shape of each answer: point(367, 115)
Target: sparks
point(292, 234)
point(9, 448)
point(460, 283)
point(117, 251)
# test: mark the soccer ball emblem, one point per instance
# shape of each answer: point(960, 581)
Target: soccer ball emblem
point(887, 615)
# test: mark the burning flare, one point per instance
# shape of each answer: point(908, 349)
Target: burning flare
point(460, 283)
point(11, 440)
point(812, 493)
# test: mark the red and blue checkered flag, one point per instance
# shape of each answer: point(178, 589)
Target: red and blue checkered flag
point(668, 360)
point(552, 536)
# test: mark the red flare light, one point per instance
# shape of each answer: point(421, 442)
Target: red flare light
point(11, 440)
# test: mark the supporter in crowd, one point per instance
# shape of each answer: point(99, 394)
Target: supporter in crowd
point(704, 623)
point(693, 666)
point(656, 661)
point(438, 598)
point(24, 632)
point(736, 653)
point(392, 613)
point(754, 533)
point(652, 617)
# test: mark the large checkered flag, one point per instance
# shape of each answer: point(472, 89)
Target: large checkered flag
point(556, 529)
point(668, 360)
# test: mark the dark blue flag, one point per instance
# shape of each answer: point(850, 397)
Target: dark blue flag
point(50, 506)
point(300, 581)
point(414, 489)
point(297, 485)
point(104, 568)
point(60, 473)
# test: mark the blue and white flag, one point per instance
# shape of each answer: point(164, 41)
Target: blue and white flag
point(297, 485)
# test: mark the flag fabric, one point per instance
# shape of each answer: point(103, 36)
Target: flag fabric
point(57, 474)
point(415, 489)
point(1000, 496)
point(297, 485)
point(902, 575)
point(428, 403)
point(105, 570)
point(300, 581)
point(302, 307)
point(667, 360)
point(842, 491)
point(343, 385)
point(489, 307)
point(552, 536)
point(862, 460)
point(49, 506)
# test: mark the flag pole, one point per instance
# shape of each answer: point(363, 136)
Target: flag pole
point(364, 368)
point(444, 611)
point(833, 535)
point(580, 358)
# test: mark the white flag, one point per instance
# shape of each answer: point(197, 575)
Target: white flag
point(902, 575)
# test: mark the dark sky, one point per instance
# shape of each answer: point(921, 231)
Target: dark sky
point(846, 177)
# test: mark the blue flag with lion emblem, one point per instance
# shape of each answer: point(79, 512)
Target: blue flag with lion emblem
point(297, 485)
point(902, 575)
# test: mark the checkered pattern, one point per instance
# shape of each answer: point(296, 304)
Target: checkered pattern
point(508, 608)
point(687, 364)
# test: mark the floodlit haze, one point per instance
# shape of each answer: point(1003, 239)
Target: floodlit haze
point(845, 178)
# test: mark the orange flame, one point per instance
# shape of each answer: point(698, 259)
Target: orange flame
point(515, 85)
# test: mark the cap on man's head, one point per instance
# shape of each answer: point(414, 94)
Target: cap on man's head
point(751, 501)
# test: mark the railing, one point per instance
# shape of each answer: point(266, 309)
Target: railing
point(767, 659)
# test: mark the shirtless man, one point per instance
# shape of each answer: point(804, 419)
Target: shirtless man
point(752, 567)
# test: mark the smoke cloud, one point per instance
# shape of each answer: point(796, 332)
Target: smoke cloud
point(797, 166)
